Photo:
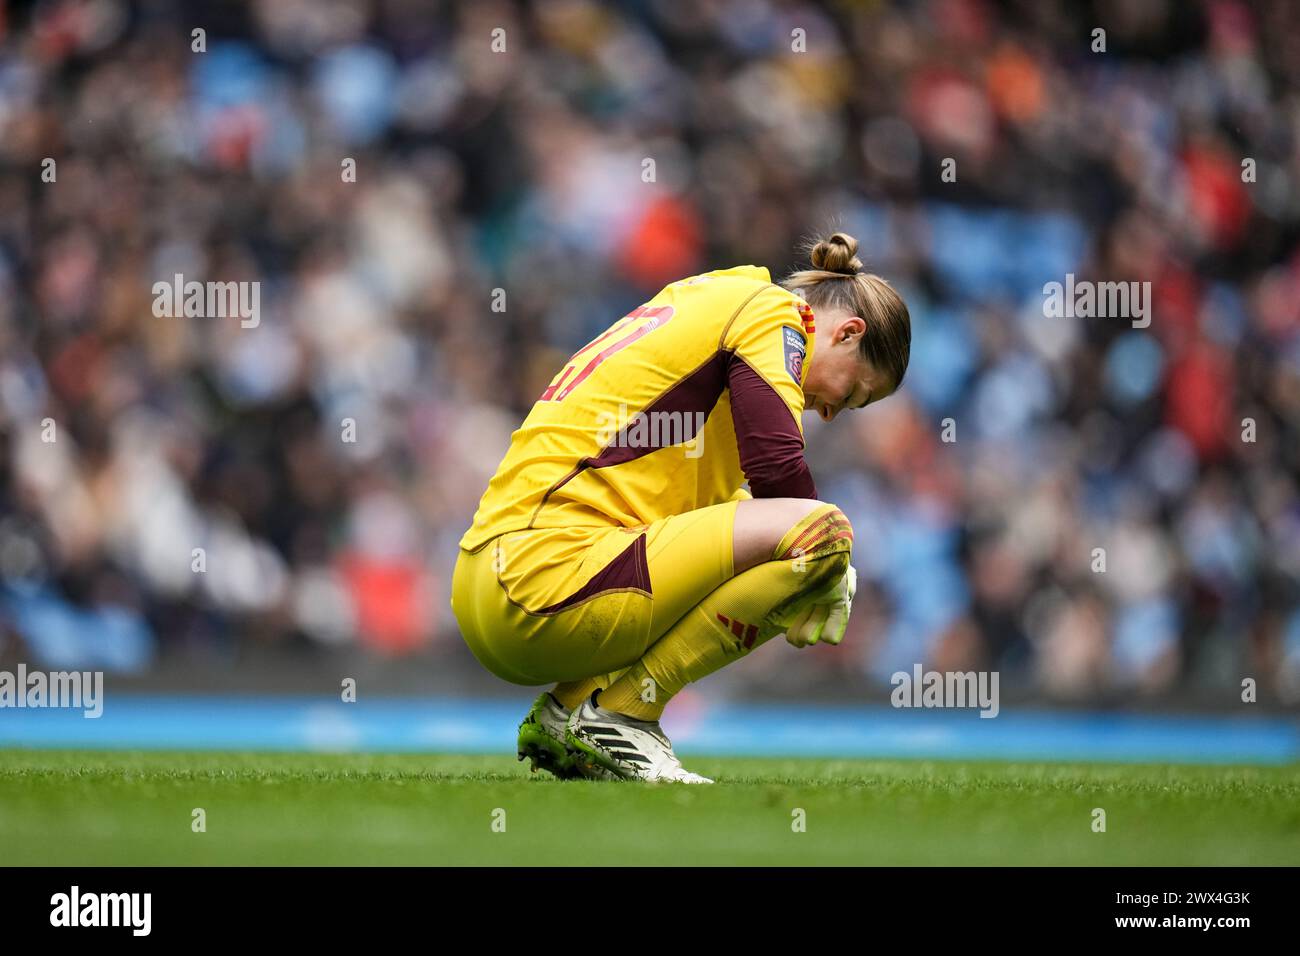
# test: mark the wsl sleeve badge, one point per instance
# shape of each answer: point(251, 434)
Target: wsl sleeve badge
point(795, 350)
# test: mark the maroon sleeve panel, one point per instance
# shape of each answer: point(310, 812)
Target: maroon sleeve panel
point(771, 445)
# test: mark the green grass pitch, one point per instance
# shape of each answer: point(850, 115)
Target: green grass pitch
point(92, 808)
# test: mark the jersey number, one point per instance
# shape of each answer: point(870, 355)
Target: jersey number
point(640, 321)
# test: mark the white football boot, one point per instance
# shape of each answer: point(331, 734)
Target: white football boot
point(605, 744)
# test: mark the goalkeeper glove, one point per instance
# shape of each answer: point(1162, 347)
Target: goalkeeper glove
point(827, 615)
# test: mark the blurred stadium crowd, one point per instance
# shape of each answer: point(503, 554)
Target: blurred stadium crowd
point(188, 485)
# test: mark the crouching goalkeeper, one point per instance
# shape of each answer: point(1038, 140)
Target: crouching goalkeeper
point(615, 552)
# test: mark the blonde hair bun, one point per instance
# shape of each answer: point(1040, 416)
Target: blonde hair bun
point(837, 253)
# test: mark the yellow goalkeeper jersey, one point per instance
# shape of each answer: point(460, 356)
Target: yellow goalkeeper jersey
point(671, 409)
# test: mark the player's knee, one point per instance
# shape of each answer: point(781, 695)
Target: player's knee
point(824, 532)
point(770, 528)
